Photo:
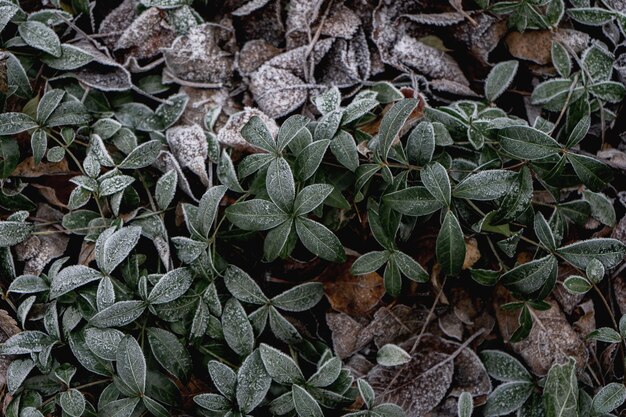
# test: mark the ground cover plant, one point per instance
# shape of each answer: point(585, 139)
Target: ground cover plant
point(312, 208)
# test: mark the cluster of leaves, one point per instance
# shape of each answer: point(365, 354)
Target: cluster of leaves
point(122, 332)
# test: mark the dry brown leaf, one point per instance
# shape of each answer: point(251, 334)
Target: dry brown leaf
point(552, 339)
point(189, 145)
point(536, 45)
point(27, 168)
point(8, 328)
point(116, 22)
point(350, 294)
point(201, 55)
point(230, 134)
point(345, 332)
point(253, 54)
point(147, 35)
point(472, 254)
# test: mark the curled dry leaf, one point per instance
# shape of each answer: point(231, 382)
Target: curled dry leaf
point(29, 169)
point(230, 134)
point(472, 254)
point(551, 340)
point(8, 328)
point(189, 145)
point(483, 37)
point(37, 251)
point(147, 35)
point(201, 55)
point(117, 21)
point(536, 45)
point(350, 294)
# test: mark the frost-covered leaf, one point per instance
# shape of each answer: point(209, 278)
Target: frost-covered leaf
point(253, 382)
point(319, 240)
point(41, 37)
point(30, 341)
point(142, 156)
point(420, 144)
point(131, 365)
point(413, 201)
point(280, 184)
point(560, 393)
point(392, 122)
point(435, 178)
point(500, 78)
point(237, 329)
point(72, 277)
point(450, 246)
point(610, 252)
point(243, 287)
point(311, 197)
point(103, 342)
point(17, 372)
point(170, 352)
point(119, 314)
point(166, 189)
point(117, 247)
point(189, 145)
point(170, 286)
point(465, 405)
point(12, 123)
point(300, 298)
point(392, 355)
point(305, 404)
point(72, 402)
point(279, 366)
point(609, 398)
point(525, 142)
point(504, 367)
point(71, 58)
point(256, 215)
point(507, 397)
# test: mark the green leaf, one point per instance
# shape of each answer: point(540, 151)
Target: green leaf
point(531, 276)
point(576, 284)
point(38, 144)
point(17, 372)
point(131, 365)
point(253, 382)
point(450, 246)
point(504, 367)
point(7, 11)
point(72, 277)
point(392, 355)
point(311, 197)
point(142, 156)
point(41, 37)
point(608, 251)
point(223, 377)
point(120, 408)
point(552, 91)
point(72, 402)
point(319, 240)
point(280, 184)
point(578, 132)
point(237, 329)
point(48, 103)
point(300, 298)
point(278, 241)
point(243, 287)
point(156, 409)
point(103, 342)
point(507, 398)
point(279, 366)
point(328, 125)
point(116, 248)
point(119, 314)
point(605, 334)
point(601, 207)
point(420, 144)
point(9, 158)
point(29, 341)
point(357, 109)
point(392, 122)
point(166, 189)
point(544, 232)
point(499, 79)
point(485, 185)
point(410, 267)
point(114, 184)
point(560, 393)
point(328, 101)
point(256, 215)
point(207, 208)
point(326, 374)
point(593, 173)
point(310, 158)
point(170, 352)
point(171, 286)
point(71, 58)
point(226, 173)
point(465, 405)
point(525, 142)
point(609, 398)
point(610, 91)
point(305, 404)
point(561, 59)
point(282, 328)
point(213, 402)
point(290, 129)
point(366, 391)
point(257, 134)
point(517, 199)
point(599, 62)
point(413, 201)
point(369, 262)
point(592, 16)
point(595, 271)
point(13, 123)
point(435, 178)
point(345, 150)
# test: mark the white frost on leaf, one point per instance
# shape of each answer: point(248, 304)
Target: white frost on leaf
point(189, 146)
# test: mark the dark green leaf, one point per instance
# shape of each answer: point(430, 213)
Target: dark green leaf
point(450, 247)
